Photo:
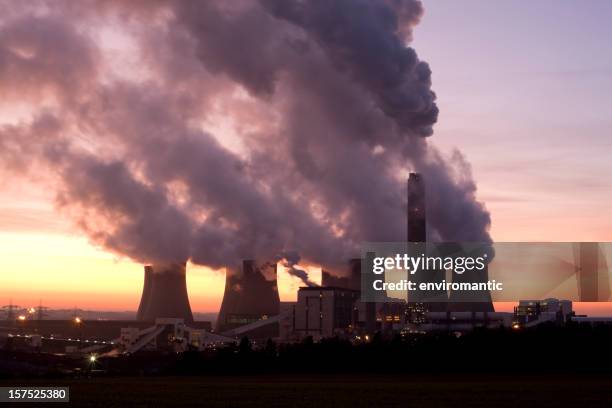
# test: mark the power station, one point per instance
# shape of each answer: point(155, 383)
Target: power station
point(251, 304)
point(251, 299)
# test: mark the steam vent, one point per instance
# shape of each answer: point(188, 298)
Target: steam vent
point(251, 294)
point(165, 293)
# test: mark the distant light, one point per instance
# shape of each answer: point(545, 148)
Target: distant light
point(21, 318)
point(31, 310)
point(77, 320)
point(367, 337)
point(516, 326)
point(92, 359)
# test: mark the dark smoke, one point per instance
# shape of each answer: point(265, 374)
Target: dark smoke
point(302, 274)
point(244, 129)
point(365, 40)
point(290, 261)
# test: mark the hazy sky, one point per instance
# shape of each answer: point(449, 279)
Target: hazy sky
point(525, 92)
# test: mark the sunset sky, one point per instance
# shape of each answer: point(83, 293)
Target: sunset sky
point(524, 91)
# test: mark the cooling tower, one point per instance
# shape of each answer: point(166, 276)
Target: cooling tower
point(352, 280)
point(168, 293)
point(251, 293)
point(146, 292)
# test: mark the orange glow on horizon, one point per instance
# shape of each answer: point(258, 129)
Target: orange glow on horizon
point(65, 271)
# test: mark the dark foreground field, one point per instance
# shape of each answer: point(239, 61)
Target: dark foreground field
point(540, 391)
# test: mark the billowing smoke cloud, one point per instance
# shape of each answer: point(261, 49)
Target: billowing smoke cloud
point(365, 39)
point(230, 130)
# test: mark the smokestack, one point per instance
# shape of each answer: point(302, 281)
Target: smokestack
point(168, 293)
point(250, 295)
point(146, 292)
point(417, 228)
point(436, 301)
point(432, 300)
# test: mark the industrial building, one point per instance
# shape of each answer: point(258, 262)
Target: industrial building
point(167, 334)
point(77, 334)
point(594, 320)
point(325, 311)
point(533, 312)
point(465, 321)
point(336, 308)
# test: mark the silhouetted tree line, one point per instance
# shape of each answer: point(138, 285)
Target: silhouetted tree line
point(545, 348)
point(548, 347)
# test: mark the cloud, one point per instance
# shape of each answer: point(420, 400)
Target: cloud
point(329, 104)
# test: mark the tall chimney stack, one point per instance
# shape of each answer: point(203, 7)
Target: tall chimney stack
point(419, 301)
point(417, 227)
